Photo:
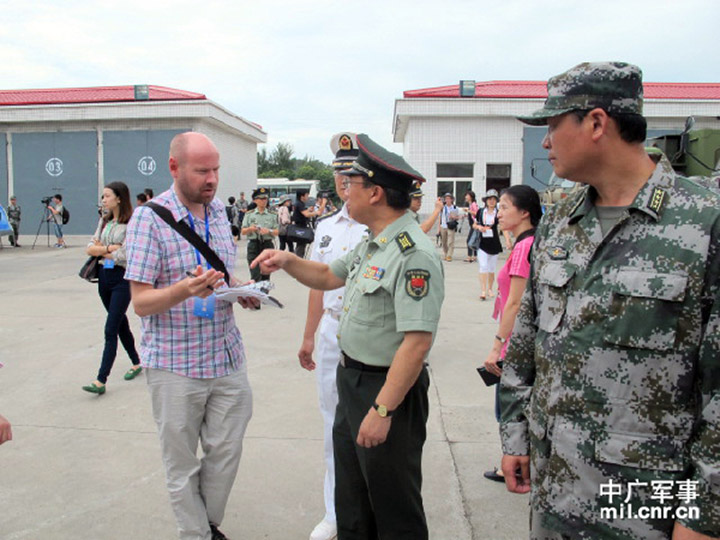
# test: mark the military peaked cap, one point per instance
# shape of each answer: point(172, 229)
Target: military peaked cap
point(382, 167)
point(344, 146)
point(261, 193)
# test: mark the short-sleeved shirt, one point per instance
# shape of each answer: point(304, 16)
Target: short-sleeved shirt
point(517, 265)
point(298, 218)
point(336, 235)
point(177, 340)
point(394, 284)
point(112, 233)
point(264, 220)
point(58, 217)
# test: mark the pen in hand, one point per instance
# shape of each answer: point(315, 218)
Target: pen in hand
point(190, 274)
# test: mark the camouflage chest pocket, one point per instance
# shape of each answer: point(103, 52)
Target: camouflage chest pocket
point(371, 304)
point(644, 310)
point(553, 279)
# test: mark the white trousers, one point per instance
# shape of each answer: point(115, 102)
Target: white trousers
point(486, 263)
point(327, 358)
point(214, 412)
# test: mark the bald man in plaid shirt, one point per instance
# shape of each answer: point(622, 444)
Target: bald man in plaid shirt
point(191, 349)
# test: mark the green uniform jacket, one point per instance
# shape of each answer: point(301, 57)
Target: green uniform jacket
point(394, 284)
point(266, 220)
point(613, 370)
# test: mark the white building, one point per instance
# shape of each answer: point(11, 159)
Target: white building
point(460, 143)
point(73, 141)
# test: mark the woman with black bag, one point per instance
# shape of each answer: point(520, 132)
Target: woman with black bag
point(490, 246)
point(108, 244)
point(301, 218)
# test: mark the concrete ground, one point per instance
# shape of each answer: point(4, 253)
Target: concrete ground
point(83, 466)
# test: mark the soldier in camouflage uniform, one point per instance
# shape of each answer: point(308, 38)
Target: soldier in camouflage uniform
point(610, 391)
point(13, 213)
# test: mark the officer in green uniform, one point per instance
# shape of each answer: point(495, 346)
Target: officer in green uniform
point(260, 225)
point(394, 291)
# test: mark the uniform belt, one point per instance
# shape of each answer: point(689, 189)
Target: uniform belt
point(334, 314)
point(348, 362)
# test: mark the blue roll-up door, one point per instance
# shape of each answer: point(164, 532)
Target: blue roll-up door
point(58, 162)
point(138, 158)
point(4, 195)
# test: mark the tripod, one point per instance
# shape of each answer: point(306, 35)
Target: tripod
point(46, 217)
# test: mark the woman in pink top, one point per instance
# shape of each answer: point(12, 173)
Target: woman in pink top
point(519, 212)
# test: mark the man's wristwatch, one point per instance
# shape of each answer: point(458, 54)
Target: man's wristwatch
point(382, 410)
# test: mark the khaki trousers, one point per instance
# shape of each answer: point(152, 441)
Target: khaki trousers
point(447, 237)
point(214, 412)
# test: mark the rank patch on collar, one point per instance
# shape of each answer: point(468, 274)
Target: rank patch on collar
point(404, 241)
point(656, 200)
point(416, 283)
point(325, 242)
point(558, 253)
point(374, 272)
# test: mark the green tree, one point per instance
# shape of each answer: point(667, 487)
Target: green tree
point(281, 157)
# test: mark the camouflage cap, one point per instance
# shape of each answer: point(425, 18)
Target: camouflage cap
point(615, 87)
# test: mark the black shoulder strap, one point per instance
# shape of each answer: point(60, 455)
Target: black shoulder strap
point(184, 230)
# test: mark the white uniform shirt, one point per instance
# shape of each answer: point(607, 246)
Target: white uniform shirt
point(335, 235)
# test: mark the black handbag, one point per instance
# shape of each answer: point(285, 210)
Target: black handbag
point(90, 270)
point(300, 234)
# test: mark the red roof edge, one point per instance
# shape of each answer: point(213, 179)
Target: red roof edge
point(96, 94)
point(538, 90)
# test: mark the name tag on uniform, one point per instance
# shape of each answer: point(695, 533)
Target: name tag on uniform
point(108, 263)
point(204, 307)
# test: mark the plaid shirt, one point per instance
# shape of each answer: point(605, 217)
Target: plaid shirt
point(177, 340)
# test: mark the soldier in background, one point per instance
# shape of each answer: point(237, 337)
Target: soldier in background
point(610, 391)
point(416, 196)
point(13, 214)
point(260, 225)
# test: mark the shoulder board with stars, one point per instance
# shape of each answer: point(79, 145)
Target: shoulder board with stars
point(404, 242)
point(329, 214)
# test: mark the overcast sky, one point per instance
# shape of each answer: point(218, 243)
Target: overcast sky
point(307, 69)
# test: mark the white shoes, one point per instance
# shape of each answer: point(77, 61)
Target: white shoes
point(324, 531)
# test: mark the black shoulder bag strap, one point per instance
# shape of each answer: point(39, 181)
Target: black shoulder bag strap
point(184, 230)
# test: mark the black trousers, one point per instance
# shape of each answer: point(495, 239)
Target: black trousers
point(285, 241)
point(378, 490)
point(114, 292)
point(254, 248)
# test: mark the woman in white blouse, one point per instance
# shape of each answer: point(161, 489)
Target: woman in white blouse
point(108, 244)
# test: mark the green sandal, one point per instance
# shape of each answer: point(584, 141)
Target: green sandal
point(132, 373)
point(94, 389)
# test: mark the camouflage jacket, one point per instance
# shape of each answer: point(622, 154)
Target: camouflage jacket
point(13, 213)
point(613, 370)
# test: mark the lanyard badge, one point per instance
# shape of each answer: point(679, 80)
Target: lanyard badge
point(203, 307)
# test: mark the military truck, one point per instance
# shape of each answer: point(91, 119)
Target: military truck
point(692, 153)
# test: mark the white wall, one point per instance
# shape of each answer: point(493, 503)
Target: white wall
point(476, 140)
